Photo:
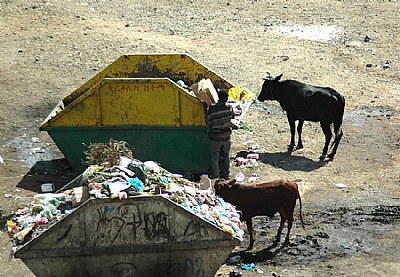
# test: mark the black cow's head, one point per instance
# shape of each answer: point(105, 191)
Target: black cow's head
point(267, 91)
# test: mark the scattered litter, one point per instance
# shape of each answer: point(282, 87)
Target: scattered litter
point(182, 84)
point(341, 186)
point(254, 156)
point(244, 162)
point(1, 159)
point(240, 177)
point(37, 150)
point(248, 142)
point(151, 166)
point(235, 273)
point(8, 195)
point(253, 177)
point(254, 146)
point(250, 266)
point(237, 106)
point(47, 187)
point(205, 182)
point(35, 139)
point(234, 260)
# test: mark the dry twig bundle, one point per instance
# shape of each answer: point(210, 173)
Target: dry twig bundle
point(107, 154)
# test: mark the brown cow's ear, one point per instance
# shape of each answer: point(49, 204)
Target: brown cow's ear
point(277, 78)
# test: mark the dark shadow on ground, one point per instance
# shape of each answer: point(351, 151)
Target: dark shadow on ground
point(259, 256)
point(286, 161)
point(58, 172)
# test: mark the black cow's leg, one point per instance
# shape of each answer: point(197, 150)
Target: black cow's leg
point(338, 137)
point(299, 130)
point(328, 135)
point(249, 223)
point(292, 125)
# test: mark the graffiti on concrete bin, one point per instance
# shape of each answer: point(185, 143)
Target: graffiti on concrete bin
point(156, 226)
point(195, 228)
point(127, 223)
point(194, 268)
point(120, 223)
point(187, 267)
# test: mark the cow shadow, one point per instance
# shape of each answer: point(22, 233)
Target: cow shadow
point(256, 256)
point(57, 172)
point(287, 161)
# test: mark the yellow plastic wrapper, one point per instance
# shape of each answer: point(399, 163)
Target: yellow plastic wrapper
point(228, 229)
point(240, 93)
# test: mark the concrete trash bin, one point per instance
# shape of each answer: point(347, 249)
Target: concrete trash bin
point(146, 235)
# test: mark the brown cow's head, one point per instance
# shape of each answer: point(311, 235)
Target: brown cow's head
point(221, 183)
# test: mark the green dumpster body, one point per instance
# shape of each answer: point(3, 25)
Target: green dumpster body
point(180, 150)
point(140, 236)
point(136, 99)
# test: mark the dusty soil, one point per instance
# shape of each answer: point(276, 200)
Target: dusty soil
point(49, 48)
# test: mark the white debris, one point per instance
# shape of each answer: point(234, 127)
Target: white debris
point(341, 186)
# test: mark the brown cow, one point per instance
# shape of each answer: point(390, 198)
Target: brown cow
point(262, 199)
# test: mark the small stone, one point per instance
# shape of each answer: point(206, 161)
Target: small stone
point(386, 65)
point(367, 39)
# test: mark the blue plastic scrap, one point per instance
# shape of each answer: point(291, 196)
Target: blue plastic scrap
point(248, 266)
point(136, 183)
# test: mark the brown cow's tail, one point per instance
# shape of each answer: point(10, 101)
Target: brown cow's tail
point(301, 212)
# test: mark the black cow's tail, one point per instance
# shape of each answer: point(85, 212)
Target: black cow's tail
point(339, 118)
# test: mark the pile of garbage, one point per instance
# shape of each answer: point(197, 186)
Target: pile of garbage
point(129, 178)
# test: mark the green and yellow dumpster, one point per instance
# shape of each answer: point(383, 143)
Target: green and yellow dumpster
point(136, 99)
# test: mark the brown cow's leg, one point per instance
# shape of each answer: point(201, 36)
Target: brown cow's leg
point(290, 223)
point(249, 223)
point(283, 220)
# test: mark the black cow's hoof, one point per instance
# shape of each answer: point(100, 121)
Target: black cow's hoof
point(322, 157)
point(286, 243)
point(290, 148)
point(330, 157)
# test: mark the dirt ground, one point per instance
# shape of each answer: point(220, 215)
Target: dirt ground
point(48, 48)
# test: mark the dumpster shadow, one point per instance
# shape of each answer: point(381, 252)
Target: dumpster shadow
point(286, 161)
point(57, 172)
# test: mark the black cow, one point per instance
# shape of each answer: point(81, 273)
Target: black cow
point(305, 102)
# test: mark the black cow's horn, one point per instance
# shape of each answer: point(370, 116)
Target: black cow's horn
point(268, 77)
